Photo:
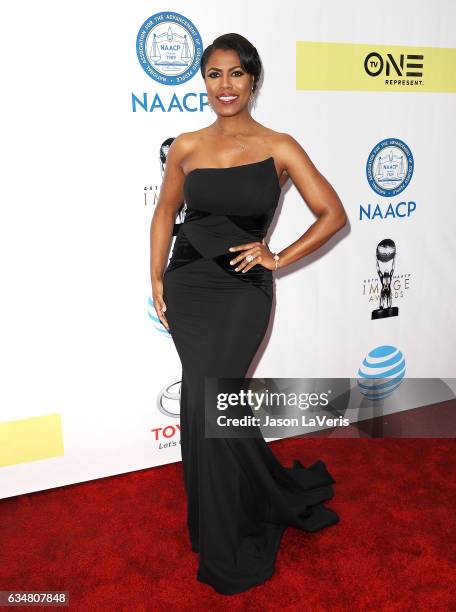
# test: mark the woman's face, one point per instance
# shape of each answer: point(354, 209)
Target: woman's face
point(224, 75)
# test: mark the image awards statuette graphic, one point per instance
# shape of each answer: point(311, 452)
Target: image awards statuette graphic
point(386, 256)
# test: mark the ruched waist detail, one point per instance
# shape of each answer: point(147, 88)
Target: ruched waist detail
point(204, 235)
point(257, 225)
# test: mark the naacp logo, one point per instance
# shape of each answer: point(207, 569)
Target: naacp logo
point(389, 167)
point(169, 48)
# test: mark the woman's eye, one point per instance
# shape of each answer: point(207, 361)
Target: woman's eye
point(211, 74)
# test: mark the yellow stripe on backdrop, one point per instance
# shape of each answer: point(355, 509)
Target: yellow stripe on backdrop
point(371, 67)
point(31, 439)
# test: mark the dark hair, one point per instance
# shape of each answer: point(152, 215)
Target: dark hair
point(250, 60)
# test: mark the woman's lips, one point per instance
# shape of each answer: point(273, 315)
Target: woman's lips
point(227, 99)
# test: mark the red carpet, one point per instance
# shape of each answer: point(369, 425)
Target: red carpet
point(120, 543)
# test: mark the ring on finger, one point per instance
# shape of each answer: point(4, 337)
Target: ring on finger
point(250, 257)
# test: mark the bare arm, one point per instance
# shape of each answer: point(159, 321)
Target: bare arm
point(161, 228)
point(319, 195)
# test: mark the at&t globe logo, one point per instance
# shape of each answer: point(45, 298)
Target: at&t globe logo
point(169, 48)
point(381, 372)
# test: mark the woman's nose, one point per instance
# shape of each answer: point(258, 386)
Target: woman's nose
point(226, 81)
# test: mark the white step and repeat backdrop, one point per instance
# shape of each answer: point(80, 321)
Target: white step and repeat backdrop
point(89, 377)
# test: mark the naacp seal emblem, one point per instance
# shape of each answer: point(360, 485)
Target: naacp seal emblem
point(169, 48)
point(389, 167)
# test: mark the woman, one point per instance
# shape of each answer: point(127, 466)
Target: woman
point(217, 293)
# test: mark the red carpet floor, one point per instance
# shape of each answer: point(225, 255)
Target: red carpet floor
point(120, 543)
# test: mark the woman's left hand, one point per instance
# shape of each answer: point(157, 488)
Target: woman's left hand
point(258, 250)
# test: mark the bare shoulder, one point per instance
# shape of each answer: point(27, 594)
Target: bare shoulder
point(284, 148)
point(184, 144)
point(290, 154)
point(285, 144)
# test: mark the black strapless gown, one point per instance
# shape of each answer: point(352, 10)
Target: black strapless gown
point(239, 496)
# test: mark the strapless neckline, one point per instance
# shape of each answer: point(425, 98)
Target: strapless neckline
point(262, 161)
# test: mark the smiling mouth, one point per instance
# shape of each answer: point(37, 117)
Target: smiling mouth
point(227, 99)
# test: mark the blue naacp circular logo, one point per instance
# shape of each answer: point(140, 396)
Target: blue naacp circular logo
point(381, 372)
point(389, 167)
point(169, 48)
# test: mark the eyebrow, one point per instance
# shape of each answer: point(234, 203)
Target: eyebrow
point(220, 69)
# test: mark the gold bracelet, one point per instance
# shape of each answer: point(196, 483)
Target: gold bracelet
point(276, 257)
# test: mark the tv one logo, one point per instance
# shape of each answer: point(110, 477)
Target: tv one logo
point(408, 65)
